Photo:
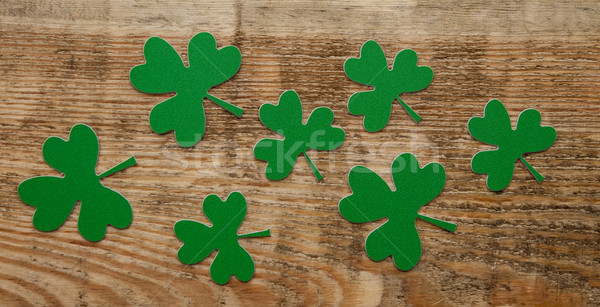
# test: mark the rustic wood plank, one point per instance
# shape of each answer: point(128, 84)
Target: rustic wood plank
point(64, 62)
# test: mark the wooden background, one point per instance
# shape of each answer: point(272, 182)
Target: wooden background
point(64, 62)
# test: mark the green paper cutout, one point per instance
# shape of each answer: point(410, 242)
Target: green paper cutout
point(372, 200)
point(286, 120)
point(55, 197)
point(495, 129)
point(165, 72)
point(371, 69)
point(199, 240)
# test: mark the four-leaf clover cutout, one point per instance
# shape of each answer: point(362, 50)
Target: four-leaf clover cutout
point(165, 72)
point(200, 240)
point(494, 128)
point(372, 200)
point(285, 118)
point(388, 84)
point(55, 197)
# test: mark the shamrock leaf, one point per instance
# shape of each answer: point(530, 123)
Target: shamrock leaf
point(164, 72)
point(372, 69)
point(372, 199)
point(494, 128)
point(55, 197)
point(286, 119)
point(199, 240)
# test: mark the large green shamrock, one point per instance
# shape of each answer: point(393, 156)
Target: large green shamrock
point(286, 119)
point(372, 199)
point(372, 69)
point(55, 197)
point(199, 240)
point(494, 128)
point(164, 72)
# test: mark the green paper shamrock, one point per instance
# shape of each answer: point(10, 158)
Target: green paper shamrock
point(164, 72)
point(286, 119)
point(372, 200)
point(372, 69)
point(199, 240)
point(55, 197)
point(494, 128)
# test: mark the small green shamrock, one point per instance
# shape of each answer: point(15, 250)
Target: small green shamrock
point(494, 128)
point(286, 119)
point(164, 72)
point(55, 197)
point(372, 69)
point(199, 240)
point(372, 200)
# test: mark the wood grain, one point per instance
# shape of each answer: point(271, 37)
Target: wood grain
point(64, 62)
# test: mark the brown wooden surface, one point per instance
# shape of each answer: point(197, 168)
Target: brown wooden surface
point(65, 62)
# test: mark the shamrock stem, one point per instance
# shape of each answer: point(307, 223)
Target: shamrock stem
point(264, 233)
point(442, 224)
point(226, 105)
point(535, 173)
point(315, 170)
point(123, 165)
point(410, 111)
